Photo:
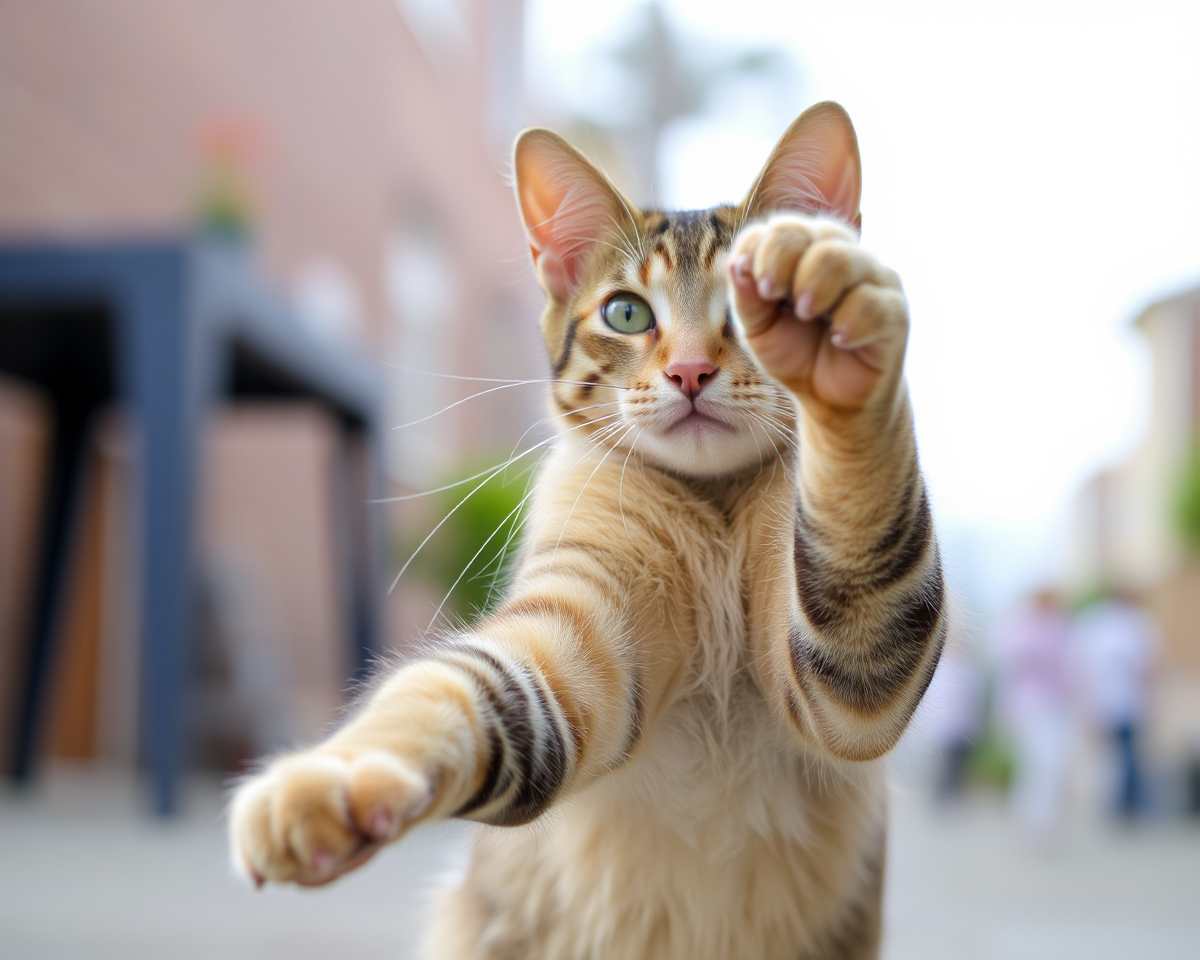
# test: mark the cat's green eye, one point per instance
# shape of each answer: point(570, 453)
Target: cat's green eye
point(628, 313)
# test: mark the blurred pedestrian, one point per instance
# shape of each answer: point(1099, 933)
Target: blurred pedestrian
point(1034, 699)
point(1114, 647)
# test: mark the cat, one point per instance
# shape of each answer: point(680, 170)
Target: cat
point(727, 603)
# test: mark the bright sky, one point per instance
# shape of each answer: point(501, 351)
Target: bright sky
point(1033, 173)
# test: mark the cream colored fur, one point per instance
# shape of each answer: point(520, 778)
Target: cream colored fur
point(727, 603)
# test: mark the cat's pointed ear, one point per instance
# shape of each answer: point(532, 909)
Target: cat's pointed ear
point(567, 206)
point(815, 168)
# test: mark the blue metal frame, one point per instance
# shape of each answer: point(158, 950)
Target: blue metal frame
point(183, 313)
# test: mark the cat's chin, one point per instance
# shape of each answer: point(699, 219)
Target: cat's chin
point(705, 449)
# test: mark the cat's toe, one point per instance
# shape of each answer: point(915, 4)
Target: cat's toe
point(292, 823)
point(386, 795)
point(256, 855)
point(310, 818)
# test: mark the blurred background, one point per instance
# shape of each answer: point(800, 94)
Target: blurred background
point(255, 257)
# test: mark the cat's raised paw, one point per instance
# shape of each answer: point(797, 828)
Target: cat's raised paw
point(311, 817)
point(822, 315)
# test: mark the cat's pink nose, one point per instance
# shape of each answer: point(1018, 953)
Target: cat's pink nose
point(690, 376)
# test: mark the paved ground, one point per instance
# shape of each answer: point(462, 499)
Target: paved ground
point(964, 885)
point(84, 877)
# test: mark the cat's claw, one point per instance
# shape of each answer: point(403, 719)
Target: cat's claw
point(381, 824)
point(804, 306)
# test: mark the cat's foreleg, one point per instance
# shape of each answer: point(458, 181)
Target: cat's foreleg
point(492, 725)
point(859, 633)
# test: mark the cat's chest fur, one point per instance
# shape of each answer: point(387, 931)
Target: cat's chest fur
point(720, 835)
point(718, 766)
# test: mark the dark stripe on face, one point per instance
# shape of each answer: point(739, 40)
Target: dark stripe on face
point(568, 341)
point(585, 389)
point(644, 270)
point(720, 229)
point(565, 407)
point(688, 234)
point(717, 243)
point(609, 347)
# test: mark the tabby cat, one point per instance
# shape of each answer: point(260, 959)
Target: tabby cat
point(727, 603)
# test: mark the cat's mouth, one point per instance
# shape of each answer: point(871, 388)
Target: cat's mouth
point(694, 420)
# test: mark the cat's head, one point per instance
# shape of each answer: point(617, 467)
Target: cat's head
point(637, 322)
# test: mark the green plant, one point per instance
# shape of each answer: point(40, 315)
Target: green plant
point(468, 558)
point(991, 762)
point(1187, 503)
point(222, 208)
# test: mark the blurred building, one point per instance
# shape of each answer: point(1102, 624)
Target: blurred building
point(1128, 528)
point(361, 150)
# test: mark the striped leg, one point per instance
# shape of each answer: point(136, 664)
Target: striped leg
point(530, 748)
point(492, 725)
point(869, 623)
point(866, 619)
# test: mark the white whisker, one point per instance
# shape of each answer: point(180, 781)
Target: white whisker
point(513, 458)
point(454, 510)
point(621, 485)
point(517, 527)
point(567, 521)
point(555, 416)
point(455, 376)
point(500, 526)
point(481, 393)
point(457, 403)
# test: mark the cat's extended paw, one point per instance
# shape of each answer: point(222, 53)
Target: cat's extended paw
point(822, 315)
point(311, 817)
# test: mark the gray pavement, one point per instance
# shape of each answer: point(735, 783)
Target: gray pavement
point(964, 884)
point(84, 876)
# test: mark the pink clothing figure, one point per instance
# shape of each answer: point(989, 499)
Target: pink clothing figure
point(1032, 649)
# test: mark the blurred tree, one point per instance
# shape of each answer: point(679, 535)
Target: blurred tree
point(678, 77)
point(1187, 505)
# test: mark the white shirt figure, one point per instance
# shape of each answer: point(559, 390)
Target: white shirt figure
point(1114, 645)
point(1113, 650)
